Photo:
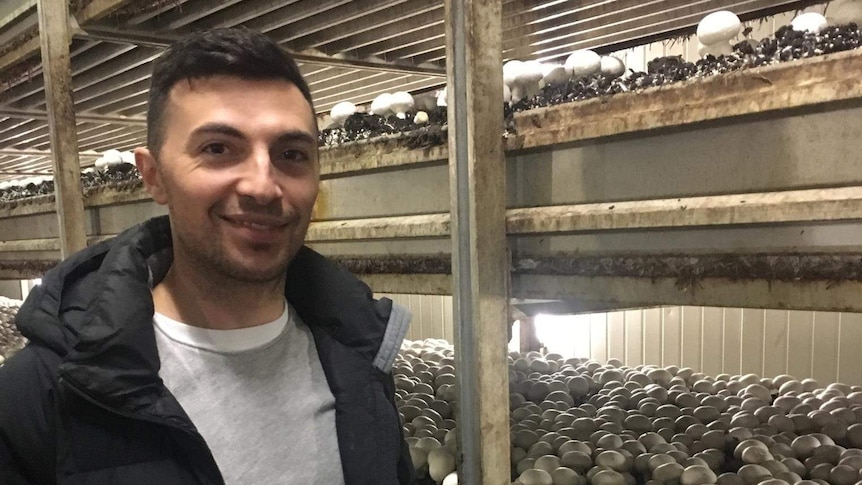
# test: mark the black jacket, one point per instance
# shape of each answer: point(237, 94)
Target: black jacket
point(83, 402)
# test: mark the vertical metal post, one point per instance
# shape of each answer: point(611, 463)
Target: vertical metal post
point(57, 71)
point(479, 260)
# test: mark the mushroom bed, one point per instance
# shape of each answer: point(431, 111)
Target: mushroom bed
point(424, 131)
point(786, 45)
point(576, 421)
point(11, 339)
point(120, 174)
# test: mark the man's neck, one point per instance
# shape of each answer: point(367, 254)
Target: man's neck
point(187, 296)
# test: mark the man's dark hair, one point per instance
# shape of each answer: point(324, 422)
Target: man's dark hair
point(237, 52)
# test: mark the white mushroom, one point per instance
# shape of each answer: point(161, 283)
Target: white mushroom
point(522, 78)
point(612, 67)
point(842, 12)
point(720, 49)
point(536, 477)
point(721, 26)
point(811, 22)
point(441, 98)
point(451, 479)
point(441, 464)
point(510, 70)
point(583, 63)
point(421, 118)
point(381, 105)
point(400, 103)
point(112, 157)
point(554, 74)
point(507, 94)
point(341, 111)
point(128, 157)
point(425, 102)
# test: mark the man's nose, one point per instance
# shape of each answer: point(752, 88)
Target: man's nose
point(258, 181)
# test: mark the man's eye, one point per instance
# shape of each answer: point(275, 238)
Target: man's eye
point(215, 149)
point(294, 155)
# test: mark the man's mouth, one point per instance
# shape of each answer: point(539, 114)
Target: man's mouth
point(258, 223)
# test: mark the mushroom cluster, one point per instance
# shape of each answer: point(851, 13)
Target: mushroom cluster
point(400, 104)
point(26, 187)
point(525, 79)
point(578, 422)
point(425, 394)
point(11, 339)
point(108, 172)
point(715, 32)
point(113, 158)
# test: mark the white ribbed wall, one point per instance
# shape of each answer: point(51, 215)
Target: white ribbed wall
point(432, 315)
point(823, 345)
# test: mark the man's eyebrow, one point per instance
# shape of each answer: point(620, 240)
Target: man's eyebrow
point(297, 135)
point(218, 129)
point(228, 130)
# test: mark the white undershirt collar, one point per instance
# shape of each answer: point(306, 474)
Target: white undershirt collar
point(223, 341)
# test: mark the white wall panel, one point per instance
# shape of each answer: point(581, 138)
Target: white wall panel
point(800, 330)
point(732, 341)
point(671, 341)
point(652, 336)
point(775, 343)
point(432, 315)
point(850, 348)
point(598, 336)
point(751, 345)
point(633, 352)
point(712, 346)
point(825, 358)
point(692, 337)
point(616, 335)
point(823, 345)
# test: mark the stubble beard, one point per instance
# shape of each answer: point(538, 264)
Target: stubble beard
point(212, 259)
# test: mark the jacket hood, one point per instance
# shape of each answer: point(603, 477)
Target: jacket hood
point(95, 311)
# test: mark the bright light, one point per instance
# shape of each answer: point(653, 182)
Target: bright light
point(567, 335)
point(27, 285)
point(515, 343)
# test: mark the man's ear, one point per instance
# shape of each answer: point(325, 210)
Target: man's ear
point(148, 167)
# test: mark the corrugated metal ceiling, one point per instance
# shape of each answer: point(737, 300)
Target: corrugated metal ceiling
point(111, 58)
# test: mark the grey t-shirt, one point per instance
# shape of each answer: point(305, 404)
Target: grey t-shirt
point(258, 396)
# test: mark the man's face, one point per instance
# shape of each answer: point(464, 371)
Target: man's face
point(239, 172)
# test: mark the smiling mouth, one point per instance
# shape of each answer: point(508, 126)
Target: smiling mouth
point(256, 225)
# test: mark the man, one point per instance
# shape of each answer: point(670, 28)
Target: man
point(210, 346)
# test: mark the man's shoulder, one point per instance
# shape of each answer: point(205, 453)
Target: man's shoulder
point(33, 369)
point(27, 382)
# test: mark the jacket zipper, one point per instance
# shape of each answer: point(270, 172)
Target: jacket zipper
point(71, 385)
